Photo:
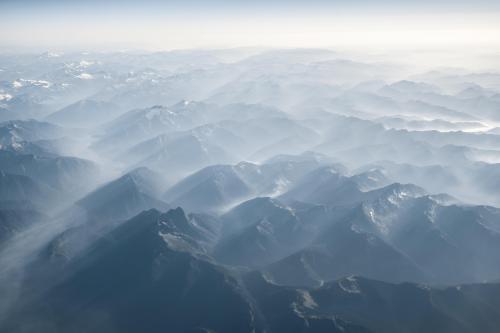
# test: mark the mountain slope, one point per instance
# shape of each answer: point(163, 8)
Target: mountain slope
point(85, 113)
point(209, 189)
point(22, 188)
point(15, 219)
point(343, 250)
point(61, 173)
point(124, 197)
point(132, 281)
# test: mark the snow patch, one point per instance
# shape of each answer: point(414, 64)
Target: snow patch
point(38, 83)
point(85, 63)
point(5, 97)
point(85, 76)
point(307, 300)
point(349, 285)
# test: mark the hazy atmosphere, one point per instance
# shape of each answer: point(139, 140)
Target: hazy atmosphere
point(236, 166)
point(167, 25)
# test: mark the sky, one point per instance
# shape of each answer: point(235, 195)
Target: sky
point(166, 25)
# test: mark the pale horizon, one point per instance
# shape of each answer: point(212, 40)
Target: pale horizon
point(161, 26)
